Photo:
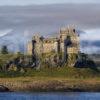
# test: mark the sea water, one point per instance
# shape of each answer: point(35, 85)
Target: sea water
point(50, 96)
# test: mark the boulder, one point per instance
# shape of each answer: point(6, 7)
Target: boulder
point(3, 89)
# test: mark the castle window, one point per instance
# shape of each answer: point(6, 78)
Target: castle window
point(45, 41)
point(74, 30)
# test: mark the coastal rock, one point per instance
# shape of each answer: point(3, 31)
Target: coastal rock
point(3, 89)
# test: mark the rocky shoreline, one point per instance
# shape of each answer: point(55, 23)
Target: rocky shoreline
point(54, 85)
point(4, 89)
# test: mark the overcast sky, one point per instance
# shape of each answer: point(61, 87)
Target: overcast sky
point(16, 21)
point(30, 2)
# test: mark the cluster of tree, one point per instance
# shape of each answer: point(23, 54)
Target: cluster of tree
point(18, 63)
point(84, 61)
point(4, 50)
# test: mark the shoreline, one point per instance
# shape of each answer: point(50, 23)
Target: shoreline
point(42, 84)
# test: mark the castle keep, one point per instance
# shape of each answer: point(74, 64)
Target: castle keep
point(65, 44)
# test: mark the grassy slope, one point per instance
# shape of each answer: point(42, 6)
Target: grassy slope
point(6, 57)
point(64, 72)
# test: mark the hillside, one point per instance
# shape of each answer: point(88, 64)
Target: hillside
point(48, 80)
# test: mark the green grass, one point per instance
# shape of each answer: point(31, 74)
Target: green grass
point(64, 72)
point(6, 57)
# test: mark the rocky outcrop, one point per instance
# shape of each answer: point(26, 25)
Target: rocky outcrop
point(3, 89)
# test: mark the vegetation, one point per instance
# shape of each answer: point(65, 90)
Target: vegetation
point(61, 78)
point(5, 58)
point(65, 71)
point(4, 50)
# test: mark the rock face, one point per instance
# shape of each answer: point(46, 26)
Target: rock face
point(3, 89)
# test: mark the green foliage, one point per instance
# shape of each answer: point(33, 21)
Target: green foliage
point(45, 71)
point(19, 54)
point(12, 68)
point(61, 72)
point(6, 58)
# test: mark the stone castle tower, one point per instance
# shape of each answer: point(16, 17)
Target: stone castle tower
point(66, 44)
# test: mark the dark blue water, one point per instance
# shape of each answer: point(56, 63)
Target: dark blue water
point(49, 96)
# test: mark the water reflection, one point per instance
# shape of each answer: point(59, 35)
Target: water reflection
point(49, 96)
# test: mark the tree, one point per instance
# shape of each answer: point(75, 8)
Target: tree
point(4, 49)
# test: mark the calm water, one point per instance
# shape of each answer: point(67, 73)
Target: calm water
point(49, 96)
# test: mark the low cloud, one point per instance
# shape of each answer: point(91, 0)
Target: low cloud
point(47, 20)
point(91, 35)
point(90, 41)
point(90, 49)
point(5, 32)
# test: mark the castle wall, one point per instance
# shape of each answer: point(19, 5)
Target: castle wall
point(72, 50)
point(50, 47)
point(51, 44)
point(74, 38)
point(62, 47)
point(38, 48)
point(29, 48)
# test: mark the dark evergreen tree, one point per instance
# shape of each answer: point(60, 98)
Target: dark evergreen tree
point(4, 49)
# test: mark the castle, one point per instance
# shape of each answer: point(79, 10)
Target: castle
point(65, 45)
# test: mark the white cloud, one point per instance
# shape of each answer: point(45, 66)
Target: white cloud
point(91, 35)
point(5, 32)
point(90, 49)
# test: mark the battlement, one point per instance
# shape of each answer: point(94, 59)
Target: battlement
point(50, 40)
point(68, 30)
